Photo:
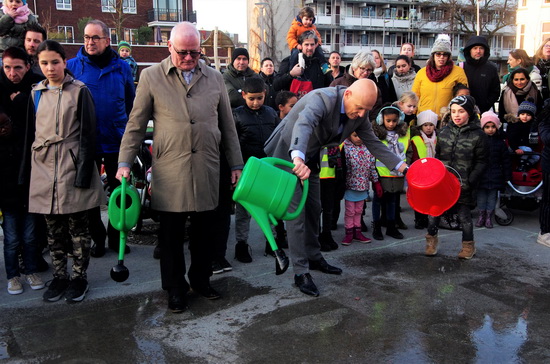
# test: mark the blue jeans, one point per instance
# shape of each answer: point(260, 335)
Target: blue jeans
point(20, 235)
point(487, 199)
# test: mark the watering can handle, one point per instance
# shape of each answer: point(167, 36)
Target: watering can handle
point(277, 161)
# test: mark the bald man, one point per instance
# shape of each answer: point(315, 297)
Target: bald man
point(323, 117)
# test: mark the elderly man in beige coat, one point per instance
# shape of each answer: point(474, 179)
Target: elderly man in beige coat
point(189, 106)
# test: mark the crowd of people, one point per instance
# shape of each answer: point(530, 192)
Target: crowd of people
point(351, 131)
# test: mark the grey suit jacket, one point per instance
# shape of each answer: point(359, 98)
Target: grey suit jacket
point(313, 123)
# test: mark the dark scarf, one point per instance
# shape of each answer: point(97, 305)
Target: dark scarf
point(102, 60)
point(436, 75)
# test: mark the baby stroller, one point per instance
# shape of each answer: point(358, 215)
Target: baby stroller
point(523, 191)
point(141, 180)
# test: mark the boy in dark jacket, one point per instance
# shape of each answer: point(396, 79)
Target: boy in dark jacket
point(461, 145)
point(255, 122)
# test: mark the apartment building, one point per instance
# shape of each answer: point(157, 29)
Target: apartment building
point(533, 24)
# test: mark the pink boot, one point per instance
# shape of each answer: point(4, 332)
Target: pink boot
point(348, 238)
point(358, 236)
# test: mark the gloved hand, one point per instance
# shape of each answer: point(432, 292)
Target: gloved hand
point(377, 187)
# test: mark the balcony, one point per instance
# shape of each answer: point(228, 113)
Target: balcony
point(162, 16)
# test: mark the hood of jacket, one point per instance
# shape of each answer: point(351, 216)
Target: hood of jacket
point(298, 19)
point(475, 41)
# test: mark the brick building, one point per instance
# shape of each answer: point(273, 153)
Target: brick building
point(123, 17)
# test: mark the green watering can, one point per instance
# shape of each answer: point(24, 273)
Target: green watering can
point(266, 191)
point(124, 211)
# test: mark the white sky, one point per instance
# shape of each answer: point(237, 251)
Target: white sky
point(227, 15)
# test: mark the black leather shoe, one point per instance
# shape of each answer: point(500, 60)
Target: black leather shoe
point(304, 282)
point(324, 267)
point(208, 292)
point(177, 303)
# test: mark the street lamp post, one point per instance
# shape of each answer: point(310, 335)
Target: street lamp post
point(384, 37)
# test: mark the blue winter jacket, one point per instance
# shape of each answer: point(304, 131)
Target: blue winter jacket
point(113, 91)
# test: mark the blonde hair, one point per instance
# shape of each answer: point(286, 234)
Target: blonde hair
point(408, 96)
point(538, 54)
point(382, 64)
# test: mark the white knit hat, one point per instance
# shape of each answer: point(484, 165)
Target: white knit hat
point(442, 44)
point(426, 116)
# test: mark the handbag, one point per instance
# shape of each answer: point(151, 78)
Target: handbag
point(300, 87)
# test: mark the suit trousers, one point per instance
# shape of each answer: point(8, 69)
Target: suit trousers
point(303, 232)
point(172, 258)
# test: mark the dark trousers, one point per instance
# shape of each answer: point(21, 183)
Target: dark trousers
point(328, 195)
point(544, 215)
point(465, 218)
point(172, 258)
point(97, 229)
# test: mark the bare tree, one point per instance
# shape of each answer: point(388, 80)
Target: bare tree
point(118, 15)
point(461, 15)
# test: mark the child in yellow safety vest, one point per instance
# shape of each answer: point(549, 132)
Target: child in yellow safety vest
point(391, 129)
point(423, 146)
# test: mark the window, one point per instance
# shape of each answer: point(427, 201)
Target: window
point(369, 12)
point(114, 36)
point(108, 6)
point(130, 35)
point(129, 6)
point(67, 32)
point(63, 4)
point(521, 35)
point(365, 39)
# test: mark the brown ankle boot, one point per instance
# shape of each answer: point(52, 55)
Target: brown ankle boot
point(468, 250)
point(431, 245)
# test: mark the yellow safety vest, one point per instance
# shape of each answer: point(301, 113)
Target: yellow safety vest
point(381, 168)
point(326, 171)
point(420, 146)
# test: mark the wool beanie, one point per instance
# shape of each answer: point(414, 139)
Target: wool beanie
point(490, 117)
point(527, 107)
point(465, 101)
point(239, 52)
point(124, 44)
point(442, 44)
point(426, 116)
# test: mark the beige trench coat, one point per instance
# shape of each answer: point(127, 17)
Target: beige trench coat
point(190, 124)
point(64, 177)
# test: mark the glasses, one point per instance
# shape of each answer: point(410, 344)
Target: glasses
point(365, 69)
point(185, 53)
point(93, 39)
point(441, 54)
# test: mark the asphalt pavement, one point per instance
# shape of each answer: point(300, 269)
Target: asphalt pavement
point(391, 304)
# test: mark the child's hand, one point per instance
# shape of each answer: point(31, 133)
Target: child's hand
point(12, 12)
point(519, 151)
point(377, 187)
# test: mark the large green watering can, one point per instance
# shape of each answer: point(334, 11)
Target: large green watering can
point(266, 191)
point(124, 211)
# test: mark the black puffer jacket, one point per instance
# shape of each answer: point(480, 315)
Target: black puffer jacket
point(483, 79)
point(11, 143)
point(270, 91)
point(498, 169)
point(465, 150)
point(253, 128)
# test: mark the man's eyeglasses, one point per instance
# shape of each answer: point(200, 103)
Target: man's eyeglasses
point(93, 39)
point(184, 53)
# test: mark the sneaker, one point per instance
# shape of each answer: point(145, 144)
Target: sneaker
point(77, 290)
point(34, 281)
point(225, 265)
point(15, 286)
point(216, 267)
point(544, 239)
point(56, 289)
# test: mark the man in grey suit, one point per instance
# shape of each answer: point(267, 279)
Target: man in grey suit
point(323, 116)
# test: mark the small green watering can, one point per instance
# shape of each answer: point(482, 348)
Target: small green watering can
point(124, 211)
point(266, 191)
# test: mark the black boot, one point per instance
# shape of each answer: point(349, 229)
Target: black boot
point(282, 241)
point(97, 250)
point(392, 231)
point(327, 241)
point(377, 230)
point(364, 227)
point(242, 252)
point(268, 250)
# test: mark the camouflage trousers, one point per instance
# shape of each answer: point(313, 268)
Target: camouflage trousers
point(69, 234)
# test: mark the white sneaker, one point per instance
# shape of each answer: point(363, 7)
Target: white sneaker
point(34, 281)
point(15, 286)
point(544, 239)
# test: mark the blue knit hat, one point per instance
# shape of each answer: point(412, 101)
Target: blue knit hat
point(528, 107)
